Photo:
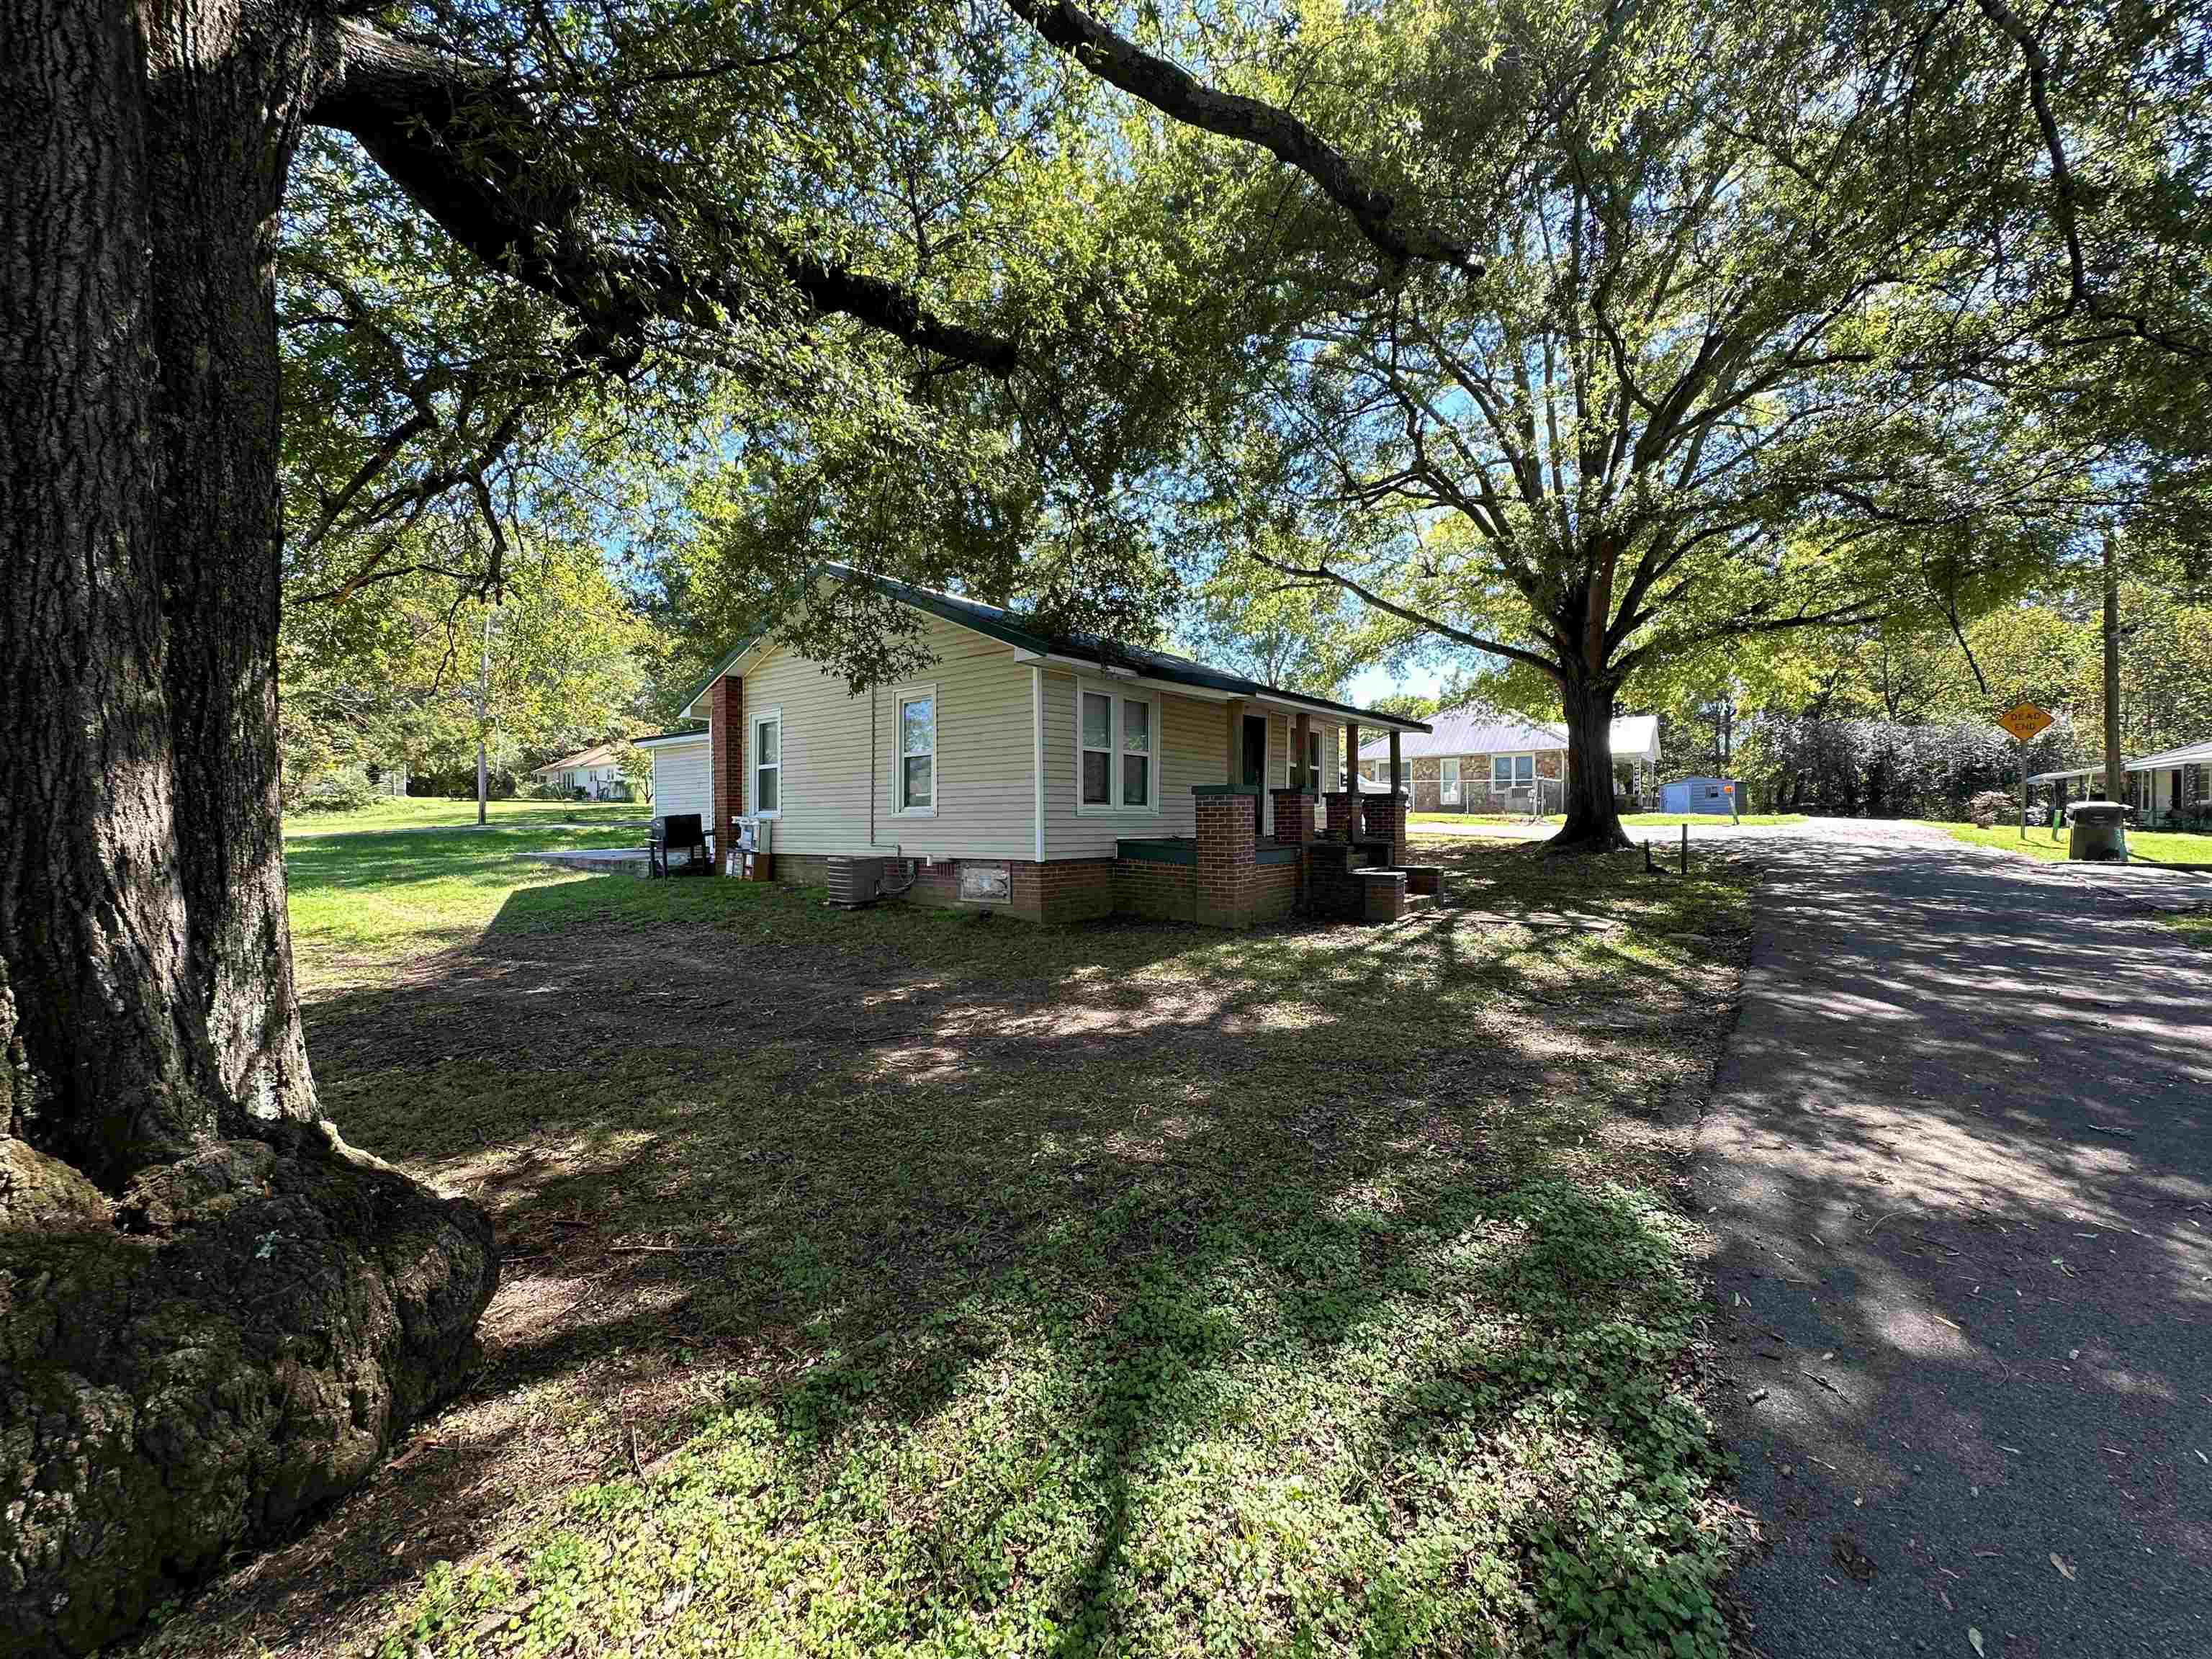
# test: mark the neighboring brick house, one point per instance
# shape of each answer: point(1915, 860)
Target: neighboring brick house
point(1478, 759)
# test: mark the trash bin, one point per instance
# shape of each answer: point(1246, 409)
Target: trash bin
point(2097, 830)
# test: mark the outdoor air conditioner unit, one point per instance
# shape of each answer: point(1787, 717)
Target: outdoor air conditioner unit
point(854, 882)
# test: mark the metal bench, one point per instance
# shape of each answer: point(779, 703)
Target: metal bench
point(679, 832)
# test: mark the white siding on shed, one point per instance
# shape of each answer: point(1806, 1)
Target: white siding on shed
point(683, 779)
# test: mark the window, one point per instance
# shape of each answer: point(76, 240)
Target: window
point(1313, 762)
point(1097, 749)
point(915, 777)
point(1448, 780)
point(1136, 753)
point(1116, 752)
point(768, 763)
point(1511, 772)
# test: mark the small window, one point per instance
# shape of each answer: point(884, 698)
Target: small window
point(917, 755)
point(768, 763)
point(1097, 749)
point(1136, 753)
point(1313, 762)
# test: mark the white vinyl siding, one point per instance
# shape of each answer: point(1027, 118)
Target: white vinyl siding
point(981, 783)
point(1190, 746)
point(683, 779)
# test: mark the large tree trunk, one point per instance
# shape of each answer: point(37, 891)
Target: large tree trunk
point(157, 1099)
point(1593, 818)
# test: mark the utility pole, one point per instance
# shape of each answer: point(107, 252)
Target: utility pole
point(2115, 766)
point(483, 708)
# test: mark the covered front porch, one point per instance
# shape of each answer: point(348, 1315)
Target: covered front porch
point(1262, 851)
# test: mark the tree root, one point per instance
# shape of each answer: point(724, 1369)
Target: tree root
point(236, 1340)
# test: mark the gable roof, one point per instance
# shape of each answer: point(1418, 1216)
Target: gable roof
point(1476, 730)
point(599, 754)
point(1077, 650)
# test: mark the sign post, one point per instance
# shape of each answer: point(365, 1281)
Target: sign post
point(2026, 722)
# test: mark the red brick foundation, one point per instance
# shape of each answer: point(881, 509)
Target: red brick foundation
point(1155, 891)
point(1067, 889)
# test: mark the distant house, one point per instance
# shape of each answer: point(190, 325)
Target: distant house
point(592, 772)
point(1057, 777)
point(2168, 788)
point(1478, 759)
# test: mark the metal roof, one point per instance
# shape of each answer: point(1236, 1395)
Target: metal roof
point(2194, 754)
point(1076, 650)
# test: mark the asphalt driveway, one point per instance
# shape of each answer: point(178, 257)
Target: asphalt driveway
point(1958, 1162)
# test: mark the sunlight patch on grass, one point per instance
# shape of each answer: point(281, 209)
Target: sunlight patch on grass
point(1126, 1286)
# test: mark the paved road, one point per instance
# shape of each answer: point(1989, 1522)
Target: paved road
point(1960, 1165)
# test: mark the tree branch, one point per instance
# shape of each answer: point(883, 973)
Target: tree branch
point(1178, 94)
point(459, 140)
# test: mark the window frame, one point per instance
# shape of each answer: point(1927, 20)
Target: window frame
point(756, 720)
point(1513, 775)
point(1456, 783)
point(900, 696)
point(1116, 696)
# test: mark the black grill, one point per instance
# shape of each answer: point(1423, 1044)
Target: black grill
point(679, 832)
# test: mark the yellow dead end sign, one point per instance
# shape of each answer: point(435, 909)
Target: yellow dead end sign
point(2024, 720)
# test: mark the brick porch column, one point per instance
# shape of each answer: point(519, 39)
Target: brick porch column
point(1343, 815)
point(1228, 833)
point(1294, 817)
point(726, 746)
point(1386, 821)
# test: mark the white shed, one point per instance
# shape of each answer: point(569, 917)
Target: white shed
point(683, 775)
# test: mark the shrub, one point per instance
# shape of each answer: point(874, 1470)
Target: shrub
point(1988, 806)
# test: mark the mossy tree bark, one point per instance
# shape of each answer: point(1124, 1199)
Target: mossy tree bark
point(162, 1152)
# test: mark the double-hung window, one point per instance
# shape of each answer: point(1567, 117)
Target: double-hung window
point(1511, 772)
point(915, 780)
point(768, 763)
point(1117, 752)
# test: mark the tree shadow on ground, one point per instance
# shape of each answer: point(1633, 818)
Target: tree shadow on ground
point(1130, 1275)
point(1963, 1187)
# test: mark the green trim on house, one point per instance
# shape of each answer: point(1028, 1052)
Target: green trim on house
point(1275, 855)
point(993, 621)
point(1157, 849)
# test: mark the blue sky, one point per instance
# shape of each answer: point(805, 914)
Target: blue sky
point(1380, 682)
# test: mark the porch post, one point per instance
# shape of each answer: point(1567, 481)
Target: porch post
point(1301, 774)
point(1397, 767)
point(1344, 797)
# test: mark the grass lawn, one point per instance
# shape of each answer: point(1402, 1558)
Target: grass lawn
point(423, 811)
point(910, 1281)
point(2144, 845)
